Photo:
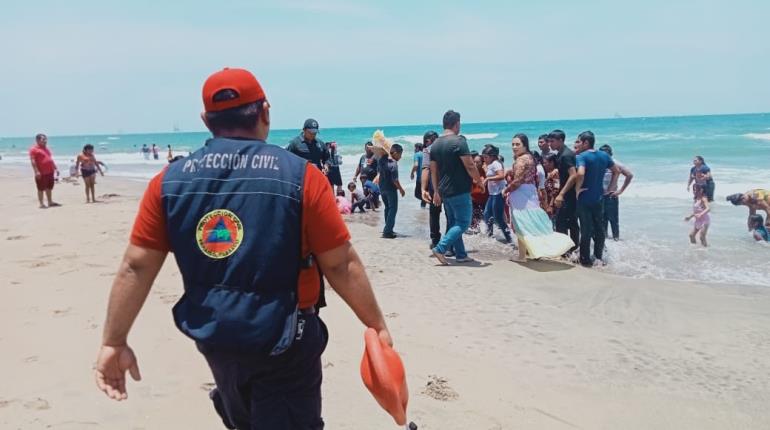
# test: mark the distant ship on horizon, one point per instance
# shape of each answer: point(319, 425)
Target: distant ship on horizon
point(175, 128)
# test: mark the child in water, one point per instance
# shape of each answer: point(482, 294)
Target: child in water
point(758, 229)
point(88, 166)
point(700, 211)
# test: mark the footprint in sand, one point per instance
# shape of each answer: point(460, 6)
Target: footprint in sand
point(169, 298)
point(438, 388)
point(61, 312)
point(31, 359)
point(37, 404)
point(20, 237)
point(208, 386)
point(391, 315)
point(4, 403)
point(37, 264)
point(50, 245)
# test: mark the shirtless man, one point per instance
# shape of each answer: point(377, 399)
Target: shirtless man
point(44, 167)
point(88, 167)
point(755, 200)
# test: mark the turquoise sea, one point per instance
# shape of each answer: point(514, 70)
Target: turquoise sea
point(659, 151)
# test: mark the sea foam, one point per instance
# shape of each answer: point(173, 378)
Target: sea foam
point(757, 136)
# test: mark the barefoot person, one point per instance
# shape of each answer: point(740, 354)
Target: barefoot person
point(532, 226)
point(700, 212)
point(452, 173)
point(240, 216)
point(45, 169)
point(88, 167)
point(755, 200)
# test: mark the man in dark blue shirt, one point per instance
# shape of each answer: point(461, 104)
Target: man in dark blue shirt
point(387, 174)
point(589, 186)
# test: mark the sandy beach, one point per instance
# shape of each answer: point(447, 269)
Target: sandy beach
point(491, 346)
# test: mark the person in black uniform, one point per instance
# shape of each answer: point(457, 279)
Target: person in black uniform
point(309, 147)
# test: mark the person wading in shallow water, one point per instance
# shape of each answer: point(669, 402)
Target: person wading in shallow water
point(755, 200)
point(241, 218)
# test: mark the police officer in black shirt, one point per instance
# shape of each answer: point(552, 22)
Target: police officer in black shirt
point(307, 146)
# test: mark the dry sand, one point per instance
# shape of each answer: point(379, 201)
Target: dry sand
point(497, 346)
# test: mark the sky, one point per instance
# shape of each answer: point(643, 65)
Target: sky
point(90, 67)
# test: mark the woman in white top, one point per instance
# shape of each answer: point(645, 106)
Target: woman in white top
point(495, 183)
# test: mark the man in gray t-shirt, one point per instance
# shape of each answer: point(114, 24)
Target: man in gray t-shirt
point(452, 174)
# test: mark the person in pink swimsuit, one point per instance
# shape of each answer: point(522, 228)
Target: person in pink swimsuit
point(700, 212)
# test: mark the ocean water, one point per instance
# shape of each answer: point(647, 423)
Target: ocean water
point(658, 150)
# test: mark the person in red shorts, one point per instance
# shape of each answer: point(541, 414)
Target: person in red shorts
point(44, 168)
point(241, 218)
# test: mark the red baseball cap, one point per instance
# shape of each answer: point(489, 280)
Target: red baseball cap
point(241, 81)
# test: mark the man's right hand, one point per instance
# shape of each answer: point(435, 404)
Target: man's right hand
point(437, 199)
point(426, 196)
point(559, 201)
point(110, 371)
point(384, 335)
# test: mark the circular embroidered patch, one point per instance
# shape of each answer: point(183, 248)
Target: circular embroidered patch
point(219, 233)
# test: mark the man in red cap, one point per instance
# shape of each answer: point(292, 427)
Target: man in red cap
point(237, 215)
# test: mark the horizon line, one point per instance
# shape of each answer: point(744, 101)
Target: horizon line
point(411, 125)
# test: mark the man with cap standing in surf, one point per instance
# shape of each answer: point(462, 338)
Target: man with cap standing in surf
point(238, 216)
point(308, 146)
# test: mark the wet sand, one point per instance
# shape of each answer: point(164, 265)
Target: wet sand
point(495, 345)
